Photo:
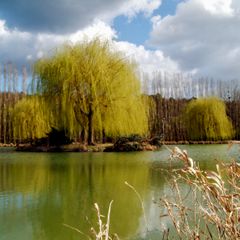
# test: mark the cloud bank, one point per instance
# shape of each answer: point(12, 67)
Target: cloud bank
point(202, 37)
point(25, 47)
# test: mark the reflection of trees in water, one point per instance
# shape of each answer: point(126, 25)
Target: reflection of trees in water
point(39, 192)
point(62, 188)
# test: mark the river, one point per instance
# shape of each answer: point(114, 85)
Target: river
point(40, 192)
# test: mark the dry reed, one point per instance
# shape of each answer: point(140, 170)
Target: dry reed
point(102, 232)
point(215, 212)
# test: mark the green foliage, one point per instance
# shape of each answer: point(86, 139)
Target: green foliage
point(31, 119)
point(206, 119)
point(91, 88)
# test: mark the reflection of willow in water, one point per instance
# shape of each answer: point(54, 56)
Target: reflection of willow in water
point(51, 190)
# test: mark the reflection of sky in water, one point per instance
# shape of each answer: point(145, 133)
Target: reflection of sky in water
point(39, 191)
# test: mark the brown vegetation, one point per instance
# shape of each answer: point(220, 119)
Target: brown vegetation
point(210, 210)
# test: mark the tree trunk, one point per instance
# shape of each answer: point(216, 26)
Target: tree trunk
point(104, 140)
point(90, 127)
point(82, 136)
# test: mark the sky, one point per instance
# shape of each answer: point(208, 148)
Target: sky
point(198, 37)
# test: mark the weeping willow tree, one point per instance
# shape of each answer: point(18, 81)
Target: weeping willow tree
point(31, 120)
point(206, 119)
point(92, 90)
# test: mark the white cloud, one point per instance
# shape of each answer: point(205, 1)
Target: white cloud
point(20, 46)
point(202, 36)
point(216, 6)
point(149, 61)
point(17, 46)
point(98, 29)
point(131, 8)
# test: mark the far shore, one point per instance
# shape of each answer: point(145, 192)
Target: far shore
point(78, 147)
point(200, 142)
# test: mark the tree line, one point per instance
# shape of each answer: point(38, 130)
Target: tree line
point(13, 87)
point(93, 94)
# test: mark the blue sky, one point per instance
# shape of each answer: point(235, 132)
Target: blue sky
point(198, 37)
point(137, 30)
point(168, 7)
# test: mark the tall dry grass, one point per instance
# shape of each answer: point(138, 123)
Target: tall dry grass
point(211, 208)
point(103, 231)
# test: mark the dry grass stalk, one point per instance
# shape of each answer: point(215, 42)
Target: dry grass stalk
point(102, 233)
point(141, 201)
point(216, 197)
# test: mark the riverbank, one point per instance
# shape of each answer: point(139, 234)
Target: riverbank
point(199, 142)
point(76, 147)
point(109, 147)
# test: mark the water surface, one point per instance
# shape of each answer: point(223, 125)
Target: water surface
point(39, 192)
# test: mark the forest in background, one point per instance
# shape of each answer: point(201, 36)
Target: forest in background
point(168, 94)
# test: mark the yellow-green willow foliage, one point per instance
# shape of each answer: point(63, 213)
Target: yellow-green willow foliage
point(92, 89)
point(31, 119)
point(206, 119)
